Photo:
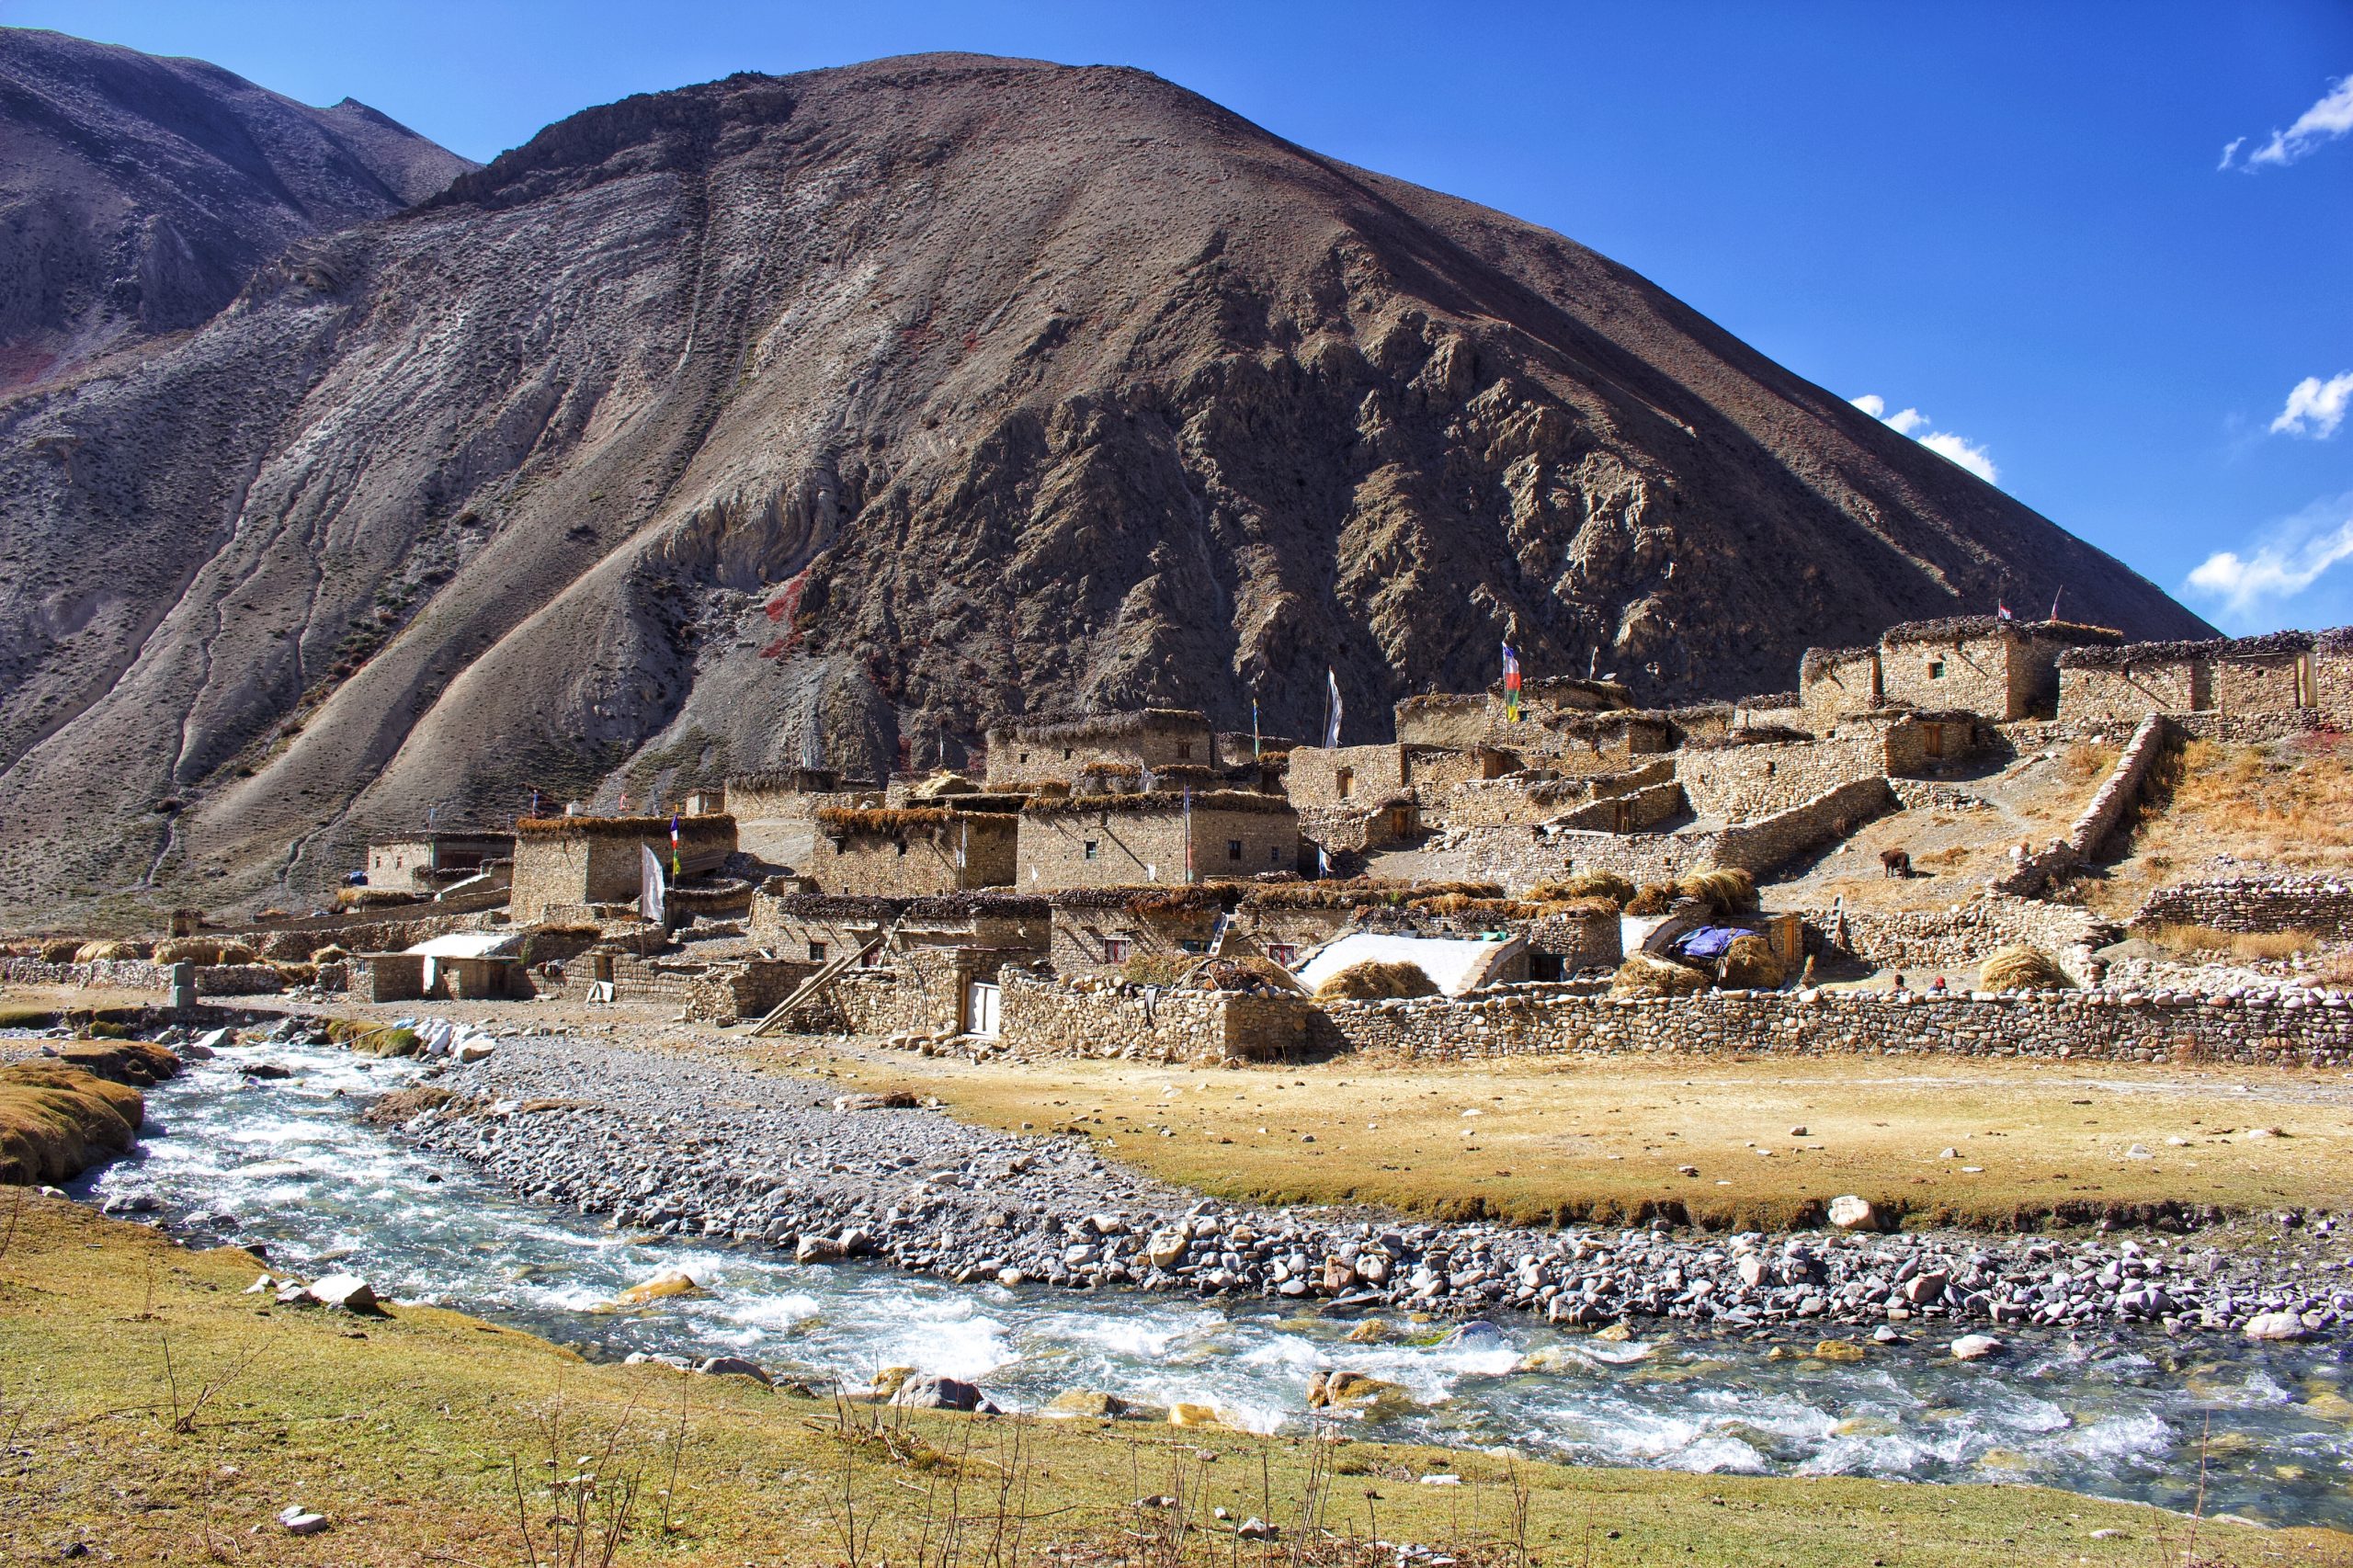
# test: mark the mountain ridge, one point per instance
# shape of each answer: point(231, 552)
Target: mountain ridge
point(853, 411)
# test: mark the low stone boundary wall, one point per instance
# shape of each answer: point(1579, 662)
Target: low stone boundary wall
point(138, 974)
point(1926, 943)
point(731, 993)
point(1045, 1017)
point(2051, 1025)
point(2252, 729)
point(2029, 874)
point(1519, 859)
point(2320, 904)
point(1764, 844)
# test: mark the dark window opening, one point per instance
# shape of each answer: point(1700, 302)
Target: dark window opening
point(817, 952)
point(1234, 849)
point(1091, 849)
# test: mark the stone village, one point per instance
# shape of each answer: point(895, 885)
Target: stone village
point(1546, 870)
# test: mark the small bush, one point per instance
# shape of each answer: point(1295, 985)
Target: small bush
point(1641, 975)
point(2082, 762)
point(1374, 980)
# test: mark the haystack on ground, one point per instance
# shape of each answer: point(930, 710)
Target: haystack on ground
point(1641, 975)
point(1375, 979)
point(1749, 965)
point(2022, 967)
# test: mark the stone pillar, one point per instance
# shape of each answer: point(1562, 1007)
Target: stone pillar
point(183, 998)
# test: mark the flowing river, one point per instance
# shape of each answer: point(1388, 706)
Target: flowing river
point(289, 1163)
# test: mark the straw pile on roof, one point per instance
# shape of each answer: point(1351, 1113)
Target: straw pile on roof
point(1078, 727)
point(1643, 975)
point(1375, 979)
point(1157, 801)
point(1749, 965)
point(941, 785)
point(2021, 968)
point(1360, 892)
point(1584, 885)
point(1727, 891)
point(883, 820)
point(619, 827)
point(1655, 898)
point(1957, 628)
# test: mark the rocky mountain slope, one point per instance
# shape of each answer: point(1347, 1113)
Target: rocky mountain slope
point(852, 411)
point(137, 194)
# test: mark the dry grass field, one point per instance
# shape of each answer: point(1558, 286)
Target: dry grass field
point(151, 1411)
point(2288, 804)
point(1609, 1138)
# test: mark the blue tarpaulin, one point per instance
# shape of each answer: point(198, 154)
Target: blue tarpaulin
point(1707, 941)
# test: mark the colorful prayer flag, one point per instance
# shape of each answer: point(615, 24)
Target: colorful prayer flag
point(1511, 686)
point(674, 849)
point(1332, 722)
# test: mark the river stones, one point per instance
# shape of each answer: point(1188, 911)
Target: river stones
point(1372, 1331)
point(1849, 1212)
point(1357, 1391)
point(1476, 1335)
point(940, 1393)
point(346, 1292)
point(1087, 1401)
point(1975, 1347)
point(666, 1286)
point(2276, 1326)
point(1185, 1414)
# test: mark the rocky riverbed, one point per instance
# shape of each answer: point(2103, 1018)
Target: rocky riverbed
point(697, 1148)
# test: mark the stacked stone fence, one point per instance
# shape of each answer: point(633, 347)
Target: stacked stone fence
point(2320, 904)
point(1953, 942)
point(1046, 1018)
point(2097, 1026)
point(1519, 860)
point(731, 993)
point(2253, 729)
point(1769, 842)
point(140, 974)
point(2029, 874)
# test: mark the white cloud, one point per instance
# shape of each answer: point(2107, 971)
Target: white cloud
point(2229, 151)
point(2281, 563)
point(2315, 407)
point(2323, 122)
point(1944, 443)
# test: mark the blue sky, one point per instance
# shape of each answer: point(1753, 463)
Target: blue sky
point(2012, 224)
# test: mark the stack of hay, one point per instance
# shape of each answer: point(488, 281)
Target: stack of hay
point(1376, 980)
point(1643, 975)
point(2021, 968)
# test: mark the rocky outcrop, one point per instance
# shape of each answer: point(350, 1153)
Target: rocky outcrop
point(843, 415)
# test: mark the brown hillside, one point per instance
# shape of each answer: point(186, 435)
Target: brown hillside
point(857, 409)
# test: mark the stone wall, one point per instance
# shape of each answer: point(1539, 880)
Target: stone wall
point(2126, 693)
point(1083, 936)
point(2052, 1025)
point(1519, 859)
point(1352, 778)
point(1149, 846)
point(139, 974)
point(1046, 1018)
point(1834, 681)
point(600, 860)
point(1738, 782)
point(2333, 673)
point(1532, 796)
point(1634, 810)
point(1161, 738)
point(2263, 683)
point(731, 992)
point(779, 825)
point(2250, 728)
point(1925, 943)
point(1768, 842)
point(974, 849)
point(2029, 874)
point(2319, 904)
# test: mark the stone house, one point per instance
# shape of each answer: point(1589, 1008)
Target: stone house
point(1996, 669)
point(1466, 721)
point(2332, 673)
point(1162, 836)
point(1834, 681)
point(2130, 682)
point(432, 862)
point(2271, 674)
point(584, 860)
point(912, 851)
point(776, 813)
point(1097, 929)
point(1055, 750)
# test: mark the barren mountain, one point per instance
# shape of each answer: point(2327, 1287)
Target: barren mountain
point(137, 194)
point(850, 412)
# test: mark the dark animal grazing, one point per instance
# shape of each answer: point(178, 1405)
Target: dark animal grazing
point(1895, 862)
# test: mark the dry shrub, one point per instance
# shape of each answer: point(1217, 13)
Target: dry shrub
point(106, 952)
point(2084, 762)
point(2247, 945)
point(1728, 890)
point(2021, 968)
point(1374, 980)
point(1643, 975)
point(55, 1121)
point(1618, 890)
point(1749, 965)
point(1656, 898)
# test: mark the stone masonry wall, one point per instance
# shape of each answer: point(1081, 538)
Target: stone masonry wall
point(2321, 904)
point(2127, 693)
point(138, 974)
point(1738, 782)
point(1527, 798)
point(2053, 1026)
point(975, 850)
point(1044, 1018)
point(1926, 943)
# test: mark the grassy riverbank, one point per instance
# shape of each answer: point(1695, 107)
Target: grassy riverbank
point(1609, 1139)
point(155, 1412)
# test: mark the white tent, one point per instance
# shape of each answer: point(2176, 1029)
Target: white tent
point(1454, 964)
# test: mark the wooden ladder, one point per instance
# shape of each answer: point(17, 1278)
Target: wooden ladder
point(817, 982)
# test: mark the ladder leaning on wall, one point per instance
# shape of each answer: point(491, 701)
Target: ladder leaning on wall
point(823, 981)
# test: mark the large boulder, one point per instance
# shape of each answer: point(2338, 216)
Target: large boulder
point(940, 1393)
point(669, 1283)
